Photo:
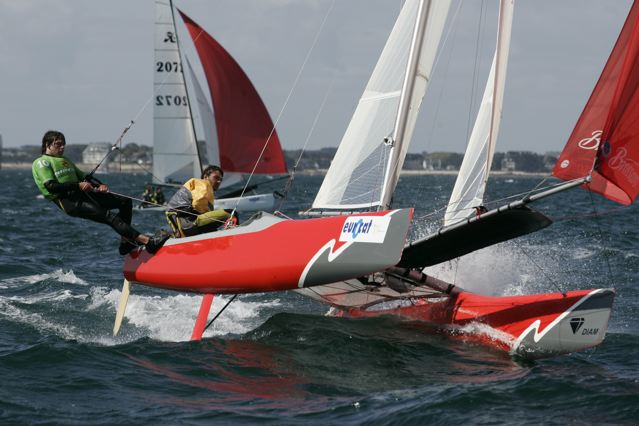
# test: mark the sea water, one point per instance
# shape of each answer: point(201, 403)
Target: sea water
point(275, 358)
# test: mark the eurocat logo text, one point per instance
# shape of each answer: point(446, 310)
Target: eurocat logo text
point(365, 229)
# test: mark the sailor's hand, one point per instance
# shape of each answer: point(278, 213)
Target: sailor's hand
point(86, 187)
point(102, 188)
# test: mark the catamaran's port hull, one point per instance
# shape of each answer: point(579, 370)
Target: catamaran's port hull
point(531, 326)
point(268, 253)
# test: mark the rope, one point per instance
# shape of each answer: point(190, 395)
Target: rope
point(601, 234)
point(159, 205)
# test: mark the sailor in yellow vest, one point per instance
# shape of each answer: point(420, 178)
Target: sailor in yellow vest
point(193, 203)
point(80, 195)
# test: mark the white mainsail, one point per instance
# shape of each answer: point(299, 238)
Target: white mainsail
point(361, 173)
point(175, 154)
point(470, 185)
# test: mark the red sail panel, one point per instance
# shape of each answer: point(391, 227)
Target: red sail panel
point(243, 123)
point(602, 136)
point(619, 153)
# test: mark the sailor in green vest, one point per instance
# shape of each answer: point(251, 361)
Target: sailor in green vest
point(78, 195)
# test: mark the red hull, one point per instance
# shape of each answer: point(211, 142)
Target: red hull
point(533, 326)
point(272, 254)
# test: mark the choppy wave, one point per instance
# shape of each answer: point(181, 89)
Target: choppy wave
point(58, 276)
point(276, 358)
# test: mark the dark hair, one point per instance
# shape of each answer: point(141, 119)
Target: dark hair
point(50, 137)
point(208, 170)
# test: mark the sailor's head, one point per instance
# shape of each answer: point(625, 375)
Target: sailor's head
point(213, 174)
point(53, 143)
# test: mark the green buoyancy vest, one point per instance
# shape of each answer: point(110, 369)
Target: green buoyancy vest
point(60, 169)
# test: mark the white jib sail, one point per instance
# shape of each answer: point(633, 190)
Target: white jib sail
point(204, 115)
point(358, 171)
point(468, 192)
point(175, 155)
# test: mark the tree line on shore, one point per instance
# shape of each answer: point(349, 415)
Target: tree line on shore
point(320, 159)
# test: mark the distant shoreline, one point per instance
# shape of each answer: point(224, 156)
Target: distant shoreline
point(134, 168)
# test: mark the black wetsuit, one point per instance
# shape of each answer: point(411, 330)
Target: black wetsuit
point(97, 206)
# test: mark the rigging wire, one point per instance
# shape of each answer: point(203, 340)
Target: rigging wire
point(480, 26)
point(289, 182)
point(543, 271)
point(288, 97)
point(219, 313)
point(145, 105)
point(523, 194)
point(451, 28)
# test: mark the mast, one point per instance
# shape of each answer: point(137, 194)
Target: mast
point(501, 56)
point(186, 89)
point(175, 154)
point(397, 139)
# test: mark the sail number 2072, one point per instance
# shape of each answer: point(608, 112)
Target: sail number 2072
point(171, 100)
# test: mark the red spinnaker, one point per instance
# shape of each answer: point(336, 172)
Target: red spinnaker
point(606, 135)
point(242, 121)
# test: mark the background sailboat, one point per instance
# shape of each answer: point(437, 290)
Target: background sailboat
point(239, 134)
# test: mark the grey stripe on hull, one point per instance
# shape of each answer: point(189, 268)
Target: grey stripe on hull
point(582, 327)
point(361, 258)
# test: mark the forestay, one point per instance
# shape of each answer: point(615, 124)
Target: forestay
point(361, 167)
point(470, 186)
point(175, 156)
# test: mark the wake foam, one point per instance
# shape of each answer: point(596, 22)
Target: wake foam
point(504, 270)
point(171, 318)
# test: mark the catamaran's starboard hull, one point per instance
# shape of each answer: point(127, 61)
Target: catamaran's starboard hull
point(531, 326)
point(268, 253)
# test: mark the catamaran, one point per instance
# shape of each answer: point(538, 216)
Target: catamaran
point(533, 326)
point(358, 188)
point(229, 142)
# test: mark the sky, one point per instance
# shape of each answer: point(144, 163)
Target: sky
point(86, 67)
